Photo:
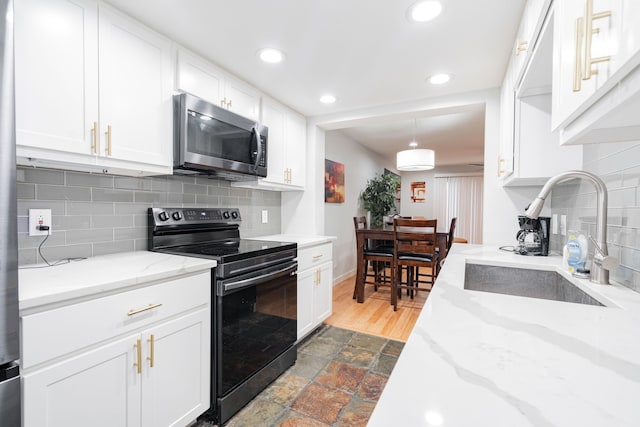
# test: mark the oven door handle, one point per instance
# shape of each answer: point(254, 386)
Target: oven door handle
point(291, 270)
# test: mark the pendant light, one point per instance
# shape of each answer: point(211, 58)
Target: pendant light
point(415, 159)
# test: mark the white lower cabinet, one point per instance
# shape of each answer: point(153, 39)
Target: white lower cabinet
point(153, 371)
point(315, 287)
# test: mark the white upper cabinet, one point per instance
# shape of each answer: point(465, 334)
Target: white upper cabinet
point(530, 151)
point(56, 49)
point(286, 149)
point(532, 18)
point(135, 91)
point(596, 78)
point(93, 89)
point(201, 78)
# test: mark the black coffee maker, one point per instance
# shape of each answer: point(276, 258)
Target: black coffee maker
point(533, 236)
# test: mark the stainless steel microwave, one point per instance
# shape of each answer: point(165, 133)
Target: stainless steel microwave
point(212, 140)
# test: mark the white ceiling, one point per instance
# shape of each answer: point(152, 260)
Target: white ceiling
point(365, 52)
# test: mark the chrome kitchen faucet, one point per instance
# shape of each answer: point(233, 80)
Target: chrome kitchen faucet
point(602, 262)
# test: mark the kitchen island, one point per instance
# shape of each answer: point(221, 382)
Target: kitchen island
point(478, 359)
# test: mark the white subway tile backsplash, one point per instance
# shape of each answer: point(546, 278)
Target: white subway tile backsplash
point(103, 194)
point(618, 165)
point(59, 192)
point(78, 179)
point(100, 214)
point(40, 176)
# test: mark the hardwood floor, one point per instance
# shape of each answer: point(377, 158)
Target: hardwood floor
point(375, 316)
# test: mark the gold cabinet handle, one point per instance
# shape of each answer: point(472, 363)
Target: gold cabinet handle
point(229, 104)
point(589, 32)
point(94, 131)
point(317, 257)
point(223, 102)
point(151, 356)
point(141, 310)
point(108, 133)
point(500, 162)
point(521, 47)
point(315, 277)
point(577, 75)
point(138, 363)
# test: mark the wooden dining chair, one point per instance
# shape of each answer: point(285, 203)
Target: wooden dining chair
point(415, 246)
point(379, 257)
point(450, 240)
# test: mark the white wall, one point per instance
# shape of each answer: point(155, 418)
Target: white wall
point(428, 208)
point(502, 205)
point(360, 165)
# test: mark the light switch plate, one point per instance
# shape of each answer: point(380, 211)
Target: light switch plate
point(37, 218)
point(265, 216)
point(554, 224)
point(563, 225)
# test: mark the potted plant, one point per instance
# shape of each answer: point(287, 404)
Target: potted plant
point(379, 197)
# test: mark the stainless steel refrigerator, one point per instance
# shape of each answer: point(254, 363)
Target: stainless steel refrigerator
point(9, 333)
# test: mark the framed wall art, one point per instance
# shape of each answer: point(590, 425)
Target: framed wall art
point(333, 181)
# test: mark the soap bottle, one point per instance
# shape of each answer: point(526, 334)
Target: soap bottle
point(575, 252)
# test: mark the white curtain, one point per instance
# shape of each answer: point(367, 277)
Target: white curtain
point(460, 197)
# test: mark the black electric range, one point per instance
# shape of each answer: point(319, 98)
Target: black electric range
point(254, 299)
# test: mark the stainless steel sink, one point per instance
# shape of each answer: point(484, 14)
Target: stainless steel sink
point(524, 282)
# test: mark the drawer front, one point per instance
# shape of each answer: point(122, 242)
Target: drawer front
point(315, 255)
point(59, 331)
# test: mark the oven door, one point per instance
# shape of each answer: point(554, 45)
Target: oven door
point(255, 322)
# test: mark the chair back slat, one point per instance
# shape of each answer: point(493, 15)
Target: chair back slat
point(415, 235)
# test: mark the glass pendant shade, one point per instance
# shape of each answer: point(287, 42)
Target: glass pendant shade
point(415, 160)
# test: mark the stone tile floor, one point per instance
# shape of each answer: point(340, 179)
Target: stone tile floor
point(336, 381)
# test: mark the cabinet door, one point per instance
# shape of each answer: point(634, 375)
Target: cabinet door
point(630, 29)
point(200, 78)
point(99, 388)
point(573, 46)
point(507, 120)
point(176, 388)
point(296, 141)
point(273, 116)
point(135, 91)
point(242, 99)
point(306, 285)
point(323, 293)
point(56, 74)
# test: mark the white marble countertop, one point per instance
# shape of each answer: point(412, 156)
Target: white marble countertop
point(101, 274)
point(483, 359)
point(302, 240)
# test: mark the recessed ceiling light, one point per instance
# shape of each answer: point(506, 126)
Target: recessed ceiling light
point(270, 55)
point(438, 79)
point(424, 11)
point(413, 144)
point(327, 99)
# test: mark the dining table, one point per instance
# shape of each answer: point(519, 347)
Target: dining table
point(384, 232)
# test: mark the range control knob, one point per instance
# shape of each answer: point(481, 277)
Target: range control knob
point(163, 216)
point(225, 214)
point(177, 215)
point(234, 215)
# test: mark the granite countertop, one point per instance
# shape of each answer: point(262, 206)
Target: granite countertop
point(478, 358)
point(302, 240)
point(101, 274)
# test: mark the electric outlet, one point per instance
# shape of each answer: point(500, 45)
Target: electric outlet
point(265, 216)
point(563, 225)
point(39, 219)
point(554, 224)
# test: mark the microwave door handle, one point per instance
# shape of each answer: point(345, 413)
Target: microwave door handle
point(254, 130)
